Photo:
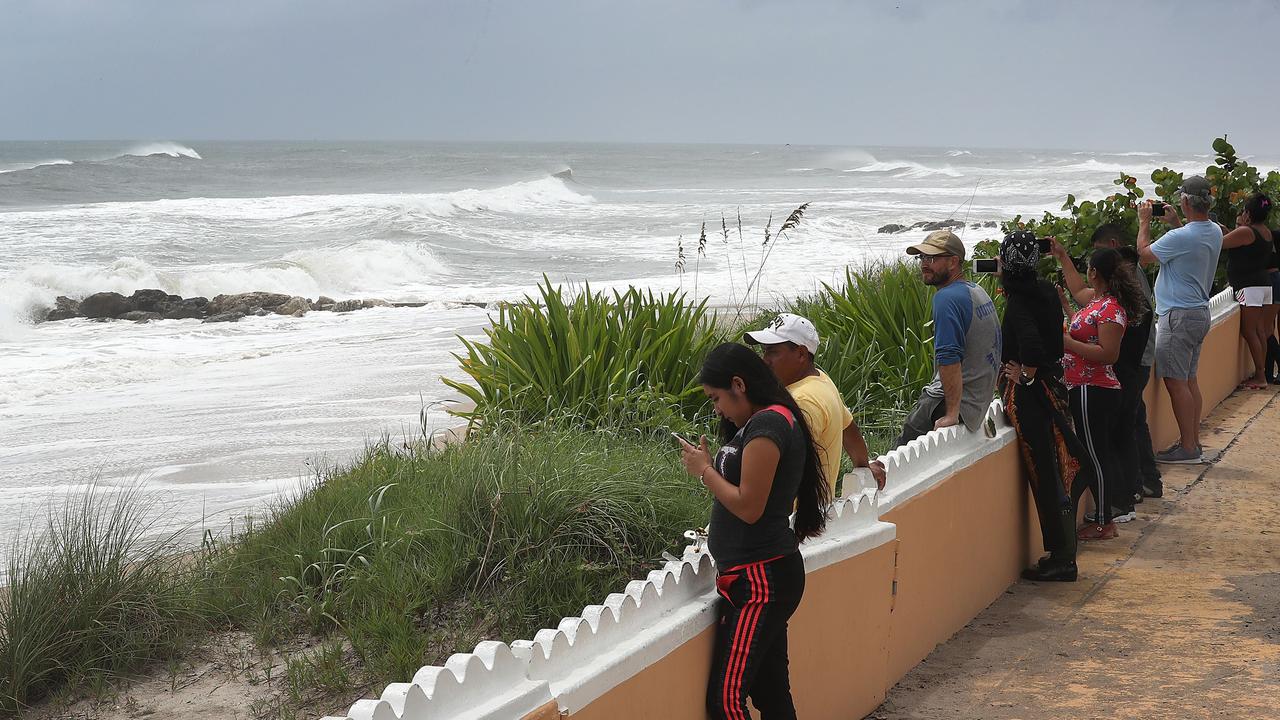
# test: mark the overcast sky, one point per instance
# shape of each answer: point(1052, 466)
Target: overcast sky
point(1130, 75)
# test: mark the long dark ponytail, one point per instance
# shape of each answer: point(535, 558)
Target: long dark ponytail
point(1121, 283)
point(731, 360)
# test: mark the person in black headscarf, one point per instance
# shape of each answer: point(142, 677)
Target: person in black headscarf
point(1035, 403)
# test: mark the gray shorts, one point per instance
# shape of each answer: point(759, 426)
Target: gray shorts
point(1180, 334)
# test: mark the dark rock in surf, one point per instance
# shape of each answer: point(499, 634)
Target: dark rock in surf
point(152, 300)
point(105, 305)
point(930, 226)
point(245, 302)
point(64, 308)
point(891, 228)
point(295, 306)
point(232, 316)
point(141, 316)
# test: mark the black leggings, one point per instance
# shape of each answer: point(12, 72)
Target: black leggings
point(750, 660)
point(1031, 410)
point(1097, 415)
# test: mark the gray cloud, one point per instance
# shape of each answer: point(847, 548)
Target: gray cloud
point(1138, 75)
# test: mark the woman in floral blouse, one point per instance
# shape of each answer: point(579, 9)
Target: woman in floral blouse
point(1091, 345)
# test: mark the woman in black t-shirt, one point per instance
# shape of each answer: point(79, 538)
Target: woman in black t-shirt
point(766, 466)
point(1248, 249)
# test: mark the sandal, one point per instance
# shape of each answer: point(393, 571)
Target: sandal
point(1250, 385)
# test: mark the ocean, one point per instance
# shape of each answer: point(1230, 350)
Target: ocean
point(217, 420)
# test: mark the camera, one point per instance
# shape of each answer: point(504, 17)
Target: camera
point(1046, 245)
point(985, 266)
point(1157, 209)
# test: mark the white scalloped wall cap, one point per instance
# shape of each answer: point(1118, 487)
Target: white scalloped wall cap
point(852, 528)
point(587, 656)
point(490, 683)
point(921, 464)
point(1222, 305)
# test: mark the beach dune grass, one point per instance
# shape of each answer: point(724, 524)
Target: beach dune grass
point(414, 555)
point(93, 593)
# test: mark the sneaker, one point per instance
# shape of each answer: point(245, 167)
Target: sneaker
point(1094, 531)
point(1124, 517)
point(1091, 518)
point(1179, 455)
point(1152, 491)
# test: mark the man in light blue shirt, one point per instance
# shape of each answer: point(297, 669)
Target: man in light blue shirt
point(1188, 257)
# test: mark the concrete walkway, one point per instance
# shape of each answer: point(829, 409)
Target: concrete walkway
point(1177, 618)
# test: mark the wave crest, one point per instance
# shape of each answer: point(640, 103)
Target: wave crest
point(906, 169)
point(32, 166)
point(170, 149)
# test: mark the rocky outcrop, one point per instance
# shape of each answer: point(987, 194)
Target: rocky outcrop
point(64, 308)
point(295, 306)
point(247, 303)
point(105, 305)
point(928, 226)
point(150, 304)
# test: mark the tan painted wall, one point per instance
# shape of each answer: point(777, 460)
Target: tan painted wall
point(837, 643)
point(1223, 351)
point(961, 544)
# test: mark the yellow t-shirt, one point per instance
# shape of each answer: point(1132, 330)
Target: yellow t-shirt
point(825, 412)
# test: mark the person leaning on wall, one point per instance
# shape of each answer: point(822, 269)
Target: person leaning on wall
point(1035, 402)
point(767, 464)
point(790, 343)
point(966, 342)
point(1249, 248)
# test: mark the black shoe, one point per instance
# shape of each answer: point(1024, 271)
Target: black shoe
point(1152, 491)
point(1052, 572)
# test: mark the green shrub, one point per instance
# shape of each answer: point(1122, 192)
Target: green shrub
point(625, 359)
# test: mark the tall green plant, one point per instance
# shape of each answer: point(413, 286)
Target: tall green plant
point(628, 358)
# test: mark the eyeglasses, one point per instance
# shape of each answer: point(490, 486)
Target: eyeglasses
point(928, 259)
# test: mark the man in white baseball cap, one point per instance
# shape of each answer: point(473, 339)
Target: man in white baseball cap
point(790, 343)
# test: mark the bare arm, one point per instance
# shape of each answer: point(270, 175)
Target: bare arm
point(1080, 290)
point(952, 390)
point(747, 499)
point(856, 448)
point(1106, 351)
point(1239, 237)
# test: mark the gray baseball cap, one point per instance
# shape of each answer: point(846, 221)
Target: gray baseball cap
point(1196, 186)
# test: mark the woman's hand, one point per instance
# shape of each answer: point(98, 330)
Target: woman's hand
point(1013, 372)
point(1058, 250)
point(696, 459)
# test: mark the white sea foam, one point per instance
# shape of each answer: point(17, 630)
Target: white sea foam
point(906, 169)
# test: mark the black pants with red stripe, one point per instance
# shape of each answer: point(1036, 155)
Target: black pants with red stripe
point(756, 601)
